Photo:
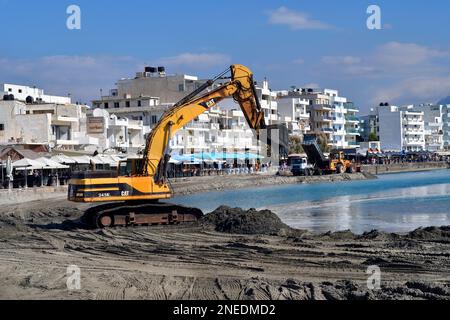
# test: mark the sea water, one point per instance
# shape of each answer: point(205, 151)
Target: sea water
point(392, 203)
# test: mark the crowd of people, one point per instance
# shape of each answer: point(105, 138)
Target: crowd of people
point(179, 171)
point(35, 178)
point(386, 159)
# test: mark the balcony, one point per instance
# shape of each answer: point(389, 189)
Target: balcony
point(325, 107)
point(352, 118)
point(415, 143)
point(351, 107)
point(352, 132)
point(198, 126)
point(327, 130)
point(415, 132)
point(324, 119)
point(338, 120)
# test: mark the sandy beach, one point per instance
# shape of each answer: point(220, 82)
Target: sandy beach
point(229, 255)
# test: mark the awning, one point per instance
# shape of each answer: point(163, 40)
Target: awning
point(63, 159)
point(50, 164)
point(28, 164)
point(82, 159)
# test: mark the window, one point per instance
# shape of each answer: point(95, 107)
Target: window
point(2, 127)
point(139, 103)
point(20, 90)
point(116, 105)
point(181, 87)
point(127, 104)
point(154, 119)
point(106, 105)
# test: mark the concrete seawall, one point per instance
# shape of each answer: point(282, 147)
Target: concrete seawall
point(15, 196)
point(404, 167)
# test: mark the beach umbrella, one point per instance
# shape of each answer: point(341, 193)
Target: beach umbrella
point(9, 168)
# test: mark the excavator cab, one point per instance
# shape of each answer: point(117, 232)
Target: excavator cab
point(130, 167)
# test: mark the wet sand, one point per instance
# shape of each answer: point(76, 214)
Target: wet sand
point(211, 260)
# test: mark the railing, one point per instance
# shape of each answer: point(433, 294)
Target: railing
point(350, 106)
point(351, 118)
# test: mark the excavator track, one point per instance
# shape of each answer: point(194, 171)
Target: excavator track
point(127, 214)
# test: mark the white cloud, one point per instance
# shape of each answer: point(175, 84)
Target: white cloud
point(81, 76)
point(422, 89)
point(405, 54)
point(84, 76)
point(299, 61)
point(295, 20)
point(197, 60)
point(395, 72)
point(345, 60)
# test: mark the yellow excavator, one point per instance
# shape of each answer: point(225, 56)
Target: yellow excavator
point(134, 190)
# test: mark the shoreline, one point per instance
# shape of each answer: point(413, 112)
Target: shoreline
point(196, 185)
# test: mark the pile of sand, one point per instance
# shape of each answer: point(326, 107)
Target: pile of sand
point(438, 234)
point(239, 221)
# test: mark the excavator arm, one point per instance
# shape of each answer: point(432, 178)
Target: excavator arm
point(241, 87)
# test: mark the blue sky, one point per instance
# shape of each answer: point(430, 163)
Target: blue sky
point(317, 43)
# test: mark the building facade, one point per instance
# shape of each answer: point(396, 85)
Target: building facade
point(401, 128)
point(293, 111)
point(333, 116)
point(58, 126)
point(147, 96)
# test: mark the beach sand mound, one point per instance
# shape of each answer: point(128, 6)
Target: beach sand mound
point(238, 221)
point(439, 234)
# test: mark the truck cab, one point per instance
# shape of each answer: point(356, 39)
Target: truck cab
point(301, 167)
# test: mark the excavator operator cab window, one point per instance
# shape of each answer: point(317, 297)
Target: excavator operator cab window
point(129, 168)
point(125, 168)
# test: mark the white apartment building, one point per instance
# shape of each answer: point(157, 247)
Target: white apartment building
point(333, 115)
point(59, 126)
point(115, 132)
point(434, 126)
point(149, 88)
point(268, 101)
point(31, 94)
point(293, 111)
point(401, 129)
point(446, 126)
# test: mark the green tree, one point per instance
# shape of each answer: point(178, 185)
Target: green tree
point(373, 137)
point(322, 140)
point(295, 145)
